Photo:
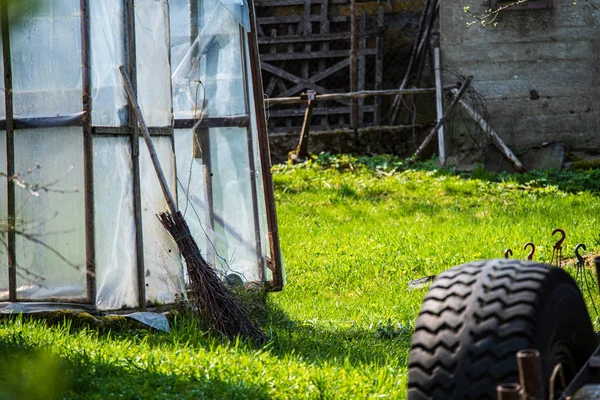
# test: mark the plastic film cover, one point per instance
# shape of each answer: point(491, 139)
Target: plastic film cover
point(164, 270)
point(208, 78)
point(235, 235)
point(44, 84)
point(193, 192)
point(2, 88)
point(54, 270)
point(107, 26)
point(152, 60)
point(116, 259)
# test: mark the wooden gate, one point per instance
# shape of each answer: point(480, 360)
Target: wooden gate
point(305, 45)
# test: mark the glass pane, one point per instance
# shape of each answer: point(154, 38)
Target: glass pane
point(46, 59)
point(55, 270)
point(164, 270)
point(107, 24)
point(116, 259)
point(235, 234)
point(153, 68)
point(208, 75)
point(3, 222)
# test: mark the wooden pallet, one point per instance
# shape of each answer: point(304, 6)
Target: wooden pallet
point(305, 45)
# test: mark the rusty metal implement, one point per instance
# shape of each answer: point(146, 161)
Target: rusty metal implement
point(557, 249)
point(531, 252)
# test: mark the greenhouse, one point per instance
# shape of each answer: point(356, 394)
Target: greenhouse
point(81, 197)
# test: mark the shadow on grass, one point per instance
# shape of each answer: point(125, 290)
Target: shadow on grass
point(314, 342)
point(31, 373)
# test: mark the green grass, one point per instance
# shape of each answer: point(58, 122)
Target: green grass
point(354, 232)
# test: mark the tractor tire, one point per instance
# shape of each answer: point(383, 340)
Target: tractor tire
point(477, 316)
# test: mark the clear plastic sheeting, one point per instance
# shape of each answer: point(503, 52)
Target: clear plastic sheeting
point(164, 278)
point(233, 209)
point(239, 11)
point(2, 90)
point(153, 320)
point(116, 258)
point(193, 192)
point(41, 307)
point(208, 78)
point(51, 262)
point(43, 83)
point(152, 60)
point(3, 220)
point(107, 30)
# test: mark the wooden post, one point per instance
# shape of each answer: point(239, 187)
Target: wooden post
point(302, 151)
point(155, 161)
point(362, 64)
point(494, 136)
point(439, 100)
point(449, 112)
point(353, 67)
point(379, 64)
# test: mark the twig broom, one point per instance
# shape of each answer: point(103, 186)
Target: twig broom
point(209, 295)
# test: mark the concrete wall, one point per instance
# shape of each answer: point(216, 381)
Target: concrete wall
point(555, 53)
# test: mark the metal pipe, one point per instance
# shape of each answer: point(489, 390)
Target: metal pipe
point(263, 142)
point(361, 95)
point(530, 374)
point(10, 152)
point(88, 161)
point(508, 391)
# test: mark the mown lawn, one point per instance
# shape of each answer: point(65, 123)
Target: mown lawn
point(354, 232)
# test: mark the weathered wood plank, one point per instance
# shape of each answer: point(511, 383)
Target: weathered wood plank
point(295, 19)
point(317, 78)
point(306, 55)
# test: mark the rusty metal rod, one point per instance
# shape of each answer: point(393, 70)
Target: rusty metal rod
point(530, 374)
point(597, 264)
point(360, 94)
point(10, 152)
point(508, 391)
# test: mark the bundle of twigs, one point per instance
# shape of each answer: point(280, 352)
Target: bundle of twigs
point(209, 295)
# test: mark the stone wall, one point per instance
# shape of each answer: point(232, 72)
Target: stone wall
point(539, 71)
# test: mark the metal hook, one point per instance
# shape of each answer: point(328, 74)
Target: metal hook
point(580, 261)
point(584, 278)
point(507, 253)
point(532, 252)
point(558, 244)
point(557, 250)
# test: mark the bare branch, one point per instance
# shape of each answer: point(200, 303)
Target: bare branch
point(491, 15)
point(34, 239)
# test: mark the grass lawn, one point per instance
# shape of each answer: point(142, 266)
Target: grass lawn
point(354, 232)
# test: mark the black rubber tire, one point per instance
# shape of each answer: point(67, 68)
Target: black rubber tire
point(476, 317)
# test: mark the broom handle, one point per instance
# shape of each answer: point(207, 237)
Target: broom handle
point(149, 143)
